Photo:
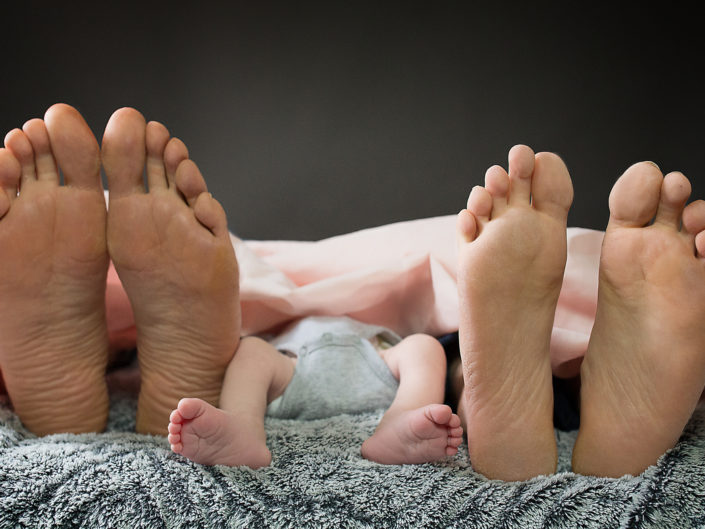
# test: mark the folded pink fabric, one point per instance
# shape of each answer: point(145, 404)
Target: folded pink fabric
point(401, 276)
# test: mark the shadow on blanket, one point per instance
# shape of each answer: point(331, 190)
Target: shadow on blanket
point(318, 479)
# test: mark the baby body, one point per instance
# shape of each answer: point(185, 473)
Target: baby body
point(317, 368)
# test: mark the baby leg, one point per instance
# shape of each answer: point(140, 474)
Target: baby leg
point(234, 434)
point(416, 428)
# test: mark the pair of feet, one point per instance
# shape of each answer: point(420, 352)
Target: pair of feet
point(211, 436)
point(170, 246)
point(644, 368)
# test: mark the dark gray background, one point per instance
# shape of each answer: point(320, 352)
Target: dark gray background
point(313, 120)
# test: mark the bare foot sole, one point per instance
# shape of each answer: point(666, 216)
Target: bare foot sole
point(53, 266)
point(416, 436)
point(457, 385)
point(512, 253)
point(171, 248)
point(204, 434)
point(644, 369)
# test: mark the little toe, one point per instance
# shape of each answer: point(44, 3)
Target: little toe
point(124, 152)
point(44, 162)
point(177, 447)
point(175, 152)
point(211, 214)
point(675, 190)
point(10, 172)
point(521, 168)
point(19, 145)
point(157, 137)
point(551, 187)
point(451, 451)
point(478, 211)
point(634, 198)
point(694, 217)
point(74, 147)
point(466, 227)
point(497, 185)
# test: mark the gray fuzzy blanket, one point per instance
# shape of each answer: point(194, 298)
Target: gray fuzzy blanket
point(318, 479)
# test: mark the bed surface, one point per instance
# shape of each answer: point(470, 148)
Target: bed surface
point(318, 479)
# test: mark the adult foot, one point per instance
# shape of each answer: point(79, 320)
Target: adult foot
point(53, 267)
point(204, 434)
point(171, 248)
point(512, 253)
point(416, 436)
point(644, 369)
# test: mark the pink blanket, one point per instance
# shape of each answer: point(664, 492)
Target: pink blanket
point(401, 276)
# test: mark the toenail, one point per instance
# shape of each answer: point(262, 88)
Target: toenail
point(654, 164)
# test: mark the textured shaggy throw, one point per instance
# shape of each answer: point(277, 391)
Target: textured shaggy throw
point(318, 479)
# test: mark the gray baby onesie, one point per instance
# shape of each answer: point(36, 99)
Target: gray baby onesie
point(337, 370)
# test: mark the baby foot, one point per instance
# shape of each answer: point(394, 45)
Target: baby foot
point(416, 436)
point(204, 434)
point(512, 253)
point(53, 267)
point(644, 369)
point(171, 248)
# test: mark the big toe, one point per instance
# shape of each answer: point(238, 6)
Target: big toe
point(439, 413)
point(551, 187)
point(635, 196)
point(74, 147)
point(124, 152)
point(192, 408)
point(428, 422)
